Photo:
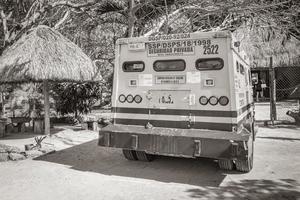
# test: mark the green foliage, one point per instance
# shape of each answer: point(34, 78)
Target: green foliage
point(75, 98)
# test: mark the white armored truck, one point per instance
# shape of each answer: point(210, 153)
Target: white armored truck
point(186, 95)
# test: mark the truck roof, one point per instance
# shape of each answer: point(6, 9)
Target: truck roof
point(180, 36)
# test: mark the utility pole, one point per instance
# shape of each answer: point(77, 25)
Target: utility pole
point(273, 114)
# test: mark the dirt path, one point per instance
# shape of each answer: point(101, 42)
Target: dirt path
point(87, 171)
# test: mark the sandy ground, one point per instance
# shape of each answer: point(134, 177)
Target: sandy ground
point(82, 170)
point(262, 110)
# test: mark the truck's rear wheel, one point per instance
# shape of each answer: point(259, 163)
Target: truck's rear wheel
point(247, 164)
point(244, 165)
point(225, 164)
point(129, 154)
point(143, 156)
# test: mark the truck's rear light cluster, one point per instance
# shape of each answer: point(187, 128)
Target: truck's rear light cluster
point(213, 100)
point(129, 98)
point(223, 100)
point(122, 98)
point(138, 99)
point(203, 100)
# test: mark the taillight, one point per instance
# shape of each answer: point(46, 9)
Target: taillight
point(138, 99)
point(213, 100)
point(223, 100)
point(203, 100)
point(129, 98)
point(122, 98)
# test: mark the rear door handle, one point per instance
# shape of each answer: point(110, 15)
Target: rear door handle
point(192, 99)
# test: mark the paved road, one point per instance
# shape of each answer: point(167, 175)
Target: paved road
point(87, 171)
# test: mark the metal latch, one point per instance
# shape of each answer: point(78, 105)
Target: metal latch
point(149, 95)
point(134, 141)
point(107, 139)
point(197, 148)
point(234, 149)
point(191, 120)
point(192, 99)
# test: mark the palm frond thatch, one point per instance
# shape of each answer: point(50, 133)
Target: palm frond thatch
point(45, 54)
point(260, 45)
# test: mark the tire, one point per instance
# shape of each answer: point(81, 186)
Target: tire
point(143, 156)
point(244, 165)
point(247, 164)
point(129, 154)
point(225, 164)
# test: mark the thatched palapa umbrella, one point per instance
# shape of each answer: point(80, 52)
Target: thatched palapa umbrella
point(43, 55)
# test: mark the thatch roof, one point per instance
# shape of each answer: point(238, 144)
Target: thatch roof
point(45, 54)
point(285, 51)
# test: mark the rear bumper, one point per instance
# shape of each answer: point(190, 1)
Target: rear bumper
point(177, 142)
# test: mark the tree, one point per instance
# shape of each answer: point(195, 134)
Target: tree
point(76, 98)
point(151, 15)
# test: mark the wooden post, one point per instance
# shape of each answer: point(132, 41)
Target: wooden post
point(131, 18)
point(2, 103)
point(47, 107)
point(167, 18)
point(273, 114)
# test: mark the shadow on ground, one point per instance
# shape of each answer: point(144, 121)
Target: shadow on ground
point(68, 126)
point(250, 189)
point(90, 157)
point(279, 138)
point(25, 135)
point(277, 124)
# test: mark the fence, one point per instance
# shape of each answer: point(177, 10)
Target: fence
point(287, 93)
point(287, 83)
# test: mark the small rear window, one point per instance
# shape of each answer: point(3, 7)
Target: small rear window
point(242, 69)
point(169, 65)
point(209, 64)
point(237, 66)
point(249, 77)
point(133, 66)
